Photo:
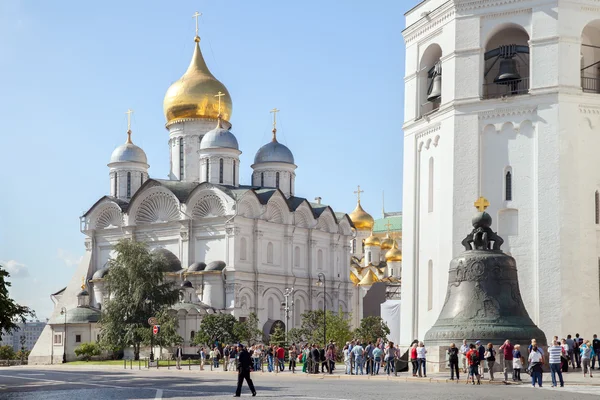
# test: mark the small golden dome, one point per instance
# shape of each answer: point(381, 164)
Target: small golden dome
point(369, 279)
point(355, 279)
point(193, 95)
point(393, 254)
point(387, 242)
point(372, 241)
point(361, 219)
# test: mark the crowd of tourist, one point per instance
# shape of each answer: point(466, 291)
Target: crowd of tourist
point(370, 358)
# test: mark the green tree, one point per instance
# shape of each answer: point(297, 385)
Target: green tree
point(10, 311)
point(216, 328)
point(88, 350)
point(338, 327)
point(7, 353)
point(278, 336)
point(22, 355)
point(138, 292)
point(371, 328)
point(296, 335)
point(168, 336)
point(248, 331)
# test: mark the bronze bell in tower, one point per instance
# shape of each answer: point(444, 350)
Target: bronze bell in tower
point(436, 88)
point(507, 73)
point(483, 300)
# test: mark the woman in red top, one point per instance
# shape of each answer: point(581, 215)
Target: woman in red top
point(413, 359)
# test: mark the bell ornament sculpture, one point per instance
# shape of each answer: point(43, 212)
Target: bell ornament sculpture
point(483, 300)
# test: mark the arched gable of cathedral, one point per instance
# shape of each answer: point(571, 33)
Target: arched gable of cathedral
point(304, 216)
point(208, 201)
point(327, 221)
point(153, 203)
point(345, 226)
point(278, 210)
point(249, 205)
point(106, 213)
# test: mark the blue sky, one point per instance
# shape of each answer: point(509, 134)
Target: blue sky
point(69, 70)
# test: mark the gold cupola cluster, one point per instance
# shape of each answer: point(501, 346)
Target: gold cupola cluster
point(193, 95)
point(394, 254)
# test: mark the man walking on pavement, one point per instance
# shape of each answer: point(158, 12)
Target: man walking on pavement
point(178, 355)
point(507, 350)
point(596, 347)
point(463, 356)
point(244, 368)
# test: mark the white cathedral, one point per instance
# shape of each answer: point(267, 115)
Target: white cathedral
point(502, 100)
point(232, 248)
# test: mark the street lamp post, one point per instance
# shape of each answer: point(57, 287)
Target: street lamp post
point(63, 311)
point(149, 303)
point(321, 282)
point(287, 306)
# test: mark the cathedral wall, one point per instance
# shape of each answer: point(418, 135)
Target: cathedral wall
point(191, 132)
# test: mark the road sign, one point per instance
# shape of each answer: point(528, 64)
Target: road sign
point(152, 321)
point(156, 329)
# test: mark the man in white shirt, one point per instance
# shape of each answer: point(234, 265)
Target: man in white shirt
point(463, 355)
point(554, 353)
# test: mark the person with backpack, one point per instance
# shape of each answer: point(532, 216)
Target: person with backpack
point(473, 359)
point(576, 351)
point(554, 354)
point(586, 354)
point(490, 358)
point(453, 360)
point(481, 350)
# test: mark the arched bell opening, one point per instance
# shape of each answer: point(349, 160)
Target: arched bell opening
point(430, 80)
point(506, 63)
point(590, 57)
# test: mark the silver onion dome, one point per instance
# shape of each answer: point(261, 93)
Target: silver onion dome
point(219, 138)
point(128, 152)
point(274, 152)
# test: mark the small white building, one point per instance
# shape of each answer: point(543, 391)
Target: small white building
point(502, 100)
point(232, 248)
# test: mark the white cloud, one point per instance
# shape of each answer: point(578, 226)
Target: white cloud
point(15, 269)
point(69, 259)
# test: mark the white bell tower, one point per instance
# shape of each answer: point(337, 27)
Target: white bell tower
point(515, 120)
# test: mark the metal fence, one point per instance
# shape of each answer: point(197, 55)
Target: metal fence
point(507, 88)
point(590, 85)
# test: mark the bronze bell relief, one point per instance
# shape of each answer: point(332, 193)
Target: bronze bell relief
point(483, 300)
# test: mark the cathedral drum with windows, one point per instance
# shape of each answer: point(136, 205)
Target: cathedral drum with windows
point(230, 248)
point(502, 100)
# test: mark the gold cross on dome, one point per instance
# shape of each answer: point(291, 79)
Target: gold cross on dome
point(129, 112)
point(197, 15)
point(357, 192)
point(388, 225)
point(274, 112)
point(83, 283)
point(481, 204)
point(219, 95)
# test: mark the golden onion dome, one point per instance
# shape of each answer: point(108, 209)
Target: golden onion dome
point(372, 241)
point(387, 242)
point(194, 94)
point(369, 279)
point(361, 219)
point(393, 254)
point(353, 278)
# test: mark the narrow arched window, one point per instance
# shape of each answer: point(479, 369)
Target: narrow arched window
point(233, 172)
point(430, 199)
point(508, 184)
point(391, 271)
point(369, 257)
point(207, 170)
point(181, 161)
point(297, 256)
point(192, 335)
point(271, 308)
point(362, 250)
point(353, 246)
point(270, 253)
point(291, 184)
point(129, 185)
point(597, 200)
point(220, 170)
point(116, 184)
point(320, 259)
point(430, 285)
point(141, 179)
point(262, 179)
point(243, 249)
point(277, 180)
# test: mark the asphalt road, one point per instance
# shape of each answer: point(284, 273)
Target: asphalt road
point(62, 383)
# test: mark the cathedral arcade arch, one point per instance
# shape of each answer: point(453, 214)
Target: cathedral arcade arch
point(506, 61)
point(326, 222)
point(249, 206)
point(277, 209)
point(154, 204)
point(590, 57)
point(304, 216)
point(429, 80)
